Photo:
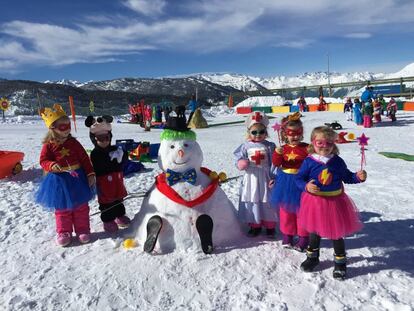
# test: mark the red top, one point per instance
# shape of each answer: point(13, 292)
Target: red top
point(69, 154)
point(291, 157)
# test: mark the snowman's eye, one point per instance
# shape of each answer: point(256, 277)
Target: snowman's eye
point(186, 145)
point(172, 146)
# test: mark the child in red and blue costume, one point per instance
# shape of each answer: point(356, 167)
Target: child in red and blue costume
point(285, 194)
point(326, 211)
point(69, 181)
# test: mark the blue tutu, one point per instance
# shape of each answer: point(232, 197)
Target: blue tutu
point(61, 191)
point(285, 194)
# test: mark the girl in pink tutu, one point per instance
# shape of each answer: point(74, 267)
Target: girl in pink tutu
point(325, 210)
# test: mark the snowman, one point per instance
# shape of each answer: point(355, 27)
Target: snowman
point(185, 208)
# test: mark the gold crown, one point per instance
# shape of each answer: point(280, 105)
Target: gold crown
point(50, 115)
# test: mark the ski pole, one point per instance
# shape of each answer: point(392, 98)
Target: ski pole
point(129, 196)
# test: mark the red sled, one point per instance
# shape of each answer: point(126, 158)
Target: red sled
point(10, 163)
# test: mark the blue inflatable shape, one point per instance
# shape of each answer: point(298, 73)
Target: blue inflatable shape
point(153, 152)
point(132, 167)
point(127, 144)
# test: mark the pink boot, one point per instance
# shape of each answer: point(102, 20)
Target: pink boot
point(110, 226)
point(123, 222)
point(84, 238)
point(63, 239)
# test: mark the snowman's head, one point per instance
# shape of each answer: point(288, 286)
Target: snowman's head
point(179, 151)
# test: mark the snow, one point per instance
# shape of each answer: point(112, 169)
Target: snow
point(255, 274)
point(262, 101)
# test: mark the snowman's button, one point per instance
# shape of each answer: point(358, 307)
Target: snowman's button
point(109, 178)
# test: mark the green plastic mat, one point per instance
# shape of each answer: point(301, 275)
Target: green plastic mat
point(398, 155)
point(234, 122)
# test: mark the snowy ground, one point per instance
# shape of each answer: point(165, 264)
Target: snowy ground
point(256, 275)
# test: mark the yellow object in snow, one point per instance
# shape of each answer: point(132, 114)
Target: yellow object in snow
point(213, 175)
point(351, 136)
point(129, 243)
point(222, 176)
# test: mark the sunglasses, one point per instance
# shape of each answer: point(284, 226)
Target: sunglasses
point(63, 127)
point(261, 132)
point(297, 132)
point(105, 137)
point(322, 143)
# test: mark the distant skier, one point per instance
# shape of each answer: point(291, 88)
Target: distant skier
point(367, 94)
point(192, 105)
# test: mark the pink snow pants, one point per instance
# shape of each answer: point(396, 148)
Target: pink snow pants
point(77, 218)
point(289, 224)
point(367, 121)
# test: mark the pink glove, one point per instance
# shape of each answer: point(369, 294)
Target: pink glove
point(242, 164)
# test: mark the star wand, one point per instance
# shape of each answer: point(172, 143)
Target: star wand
point(363, 141)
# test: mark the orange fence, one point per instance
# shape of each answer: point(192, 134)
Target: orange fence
point(409, 106)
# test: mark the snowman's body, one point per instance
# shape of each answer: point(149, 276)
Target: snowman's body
point(179, 221)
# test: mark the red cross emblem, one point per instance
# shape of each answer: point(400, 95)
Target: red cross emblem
point(257, 116)
point(257, 157)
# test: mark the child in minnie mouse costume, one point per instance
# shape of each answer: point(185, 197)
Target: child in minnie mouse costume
point(108, 162)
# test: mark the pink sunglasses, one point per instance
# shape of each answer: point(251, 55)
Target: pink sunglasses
point(63, 127)
point(323, 143)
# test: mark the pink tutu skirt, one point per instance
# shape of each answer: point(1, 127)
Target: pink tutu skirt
point(329, 217)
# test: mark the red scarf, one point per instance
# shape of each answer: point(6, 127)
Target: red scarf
point(164, 188)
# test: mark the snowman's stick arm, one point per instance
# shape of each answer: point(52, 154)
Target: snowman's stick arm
point(230, 179)
point(129, 196)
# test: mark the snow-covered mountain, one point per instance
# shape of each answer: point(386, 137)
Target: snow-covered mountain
point(253, 83)
point(239, 82)
point(73, 83)
point(27, 96)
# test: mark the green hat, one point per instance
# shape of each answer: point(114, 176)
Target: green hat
point(168, 134)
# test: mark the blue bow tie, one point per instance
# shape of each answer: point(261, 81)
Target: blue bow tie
point(173, 177)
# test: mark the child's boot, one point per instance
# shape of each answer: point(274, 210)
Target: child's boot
point(302, 244)
point(110, 226)
point(84, 238)
point(339, 271)
point(312, 260)
point(270, 232)
point(287, 240)
point(123, 222)
point(254, 232)
point(64, 238)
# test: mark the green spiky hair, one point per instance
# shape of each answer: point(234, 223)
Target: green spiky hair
point(177, 135)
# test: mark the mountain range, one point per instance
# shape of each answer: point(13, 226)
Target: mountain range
point(114, 96)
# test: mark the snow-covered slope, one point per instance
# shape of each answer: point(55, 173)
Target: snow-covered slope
point(237, 81)
point(256, 274)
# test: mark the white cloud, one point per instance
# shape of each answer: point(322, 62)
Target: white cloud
point(298, 44)
point(146, 7)
point(358, 35)
point(202, 26)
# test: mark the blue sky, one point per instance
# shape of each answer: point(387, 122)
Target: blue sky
point(106, 39)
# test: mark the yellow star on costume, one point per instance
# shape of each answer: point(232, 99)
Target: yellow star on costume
point(64, 152)
point(291, 156)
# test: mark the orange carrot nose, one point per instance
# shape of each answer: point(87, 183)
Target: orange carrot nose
point(181, 153)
